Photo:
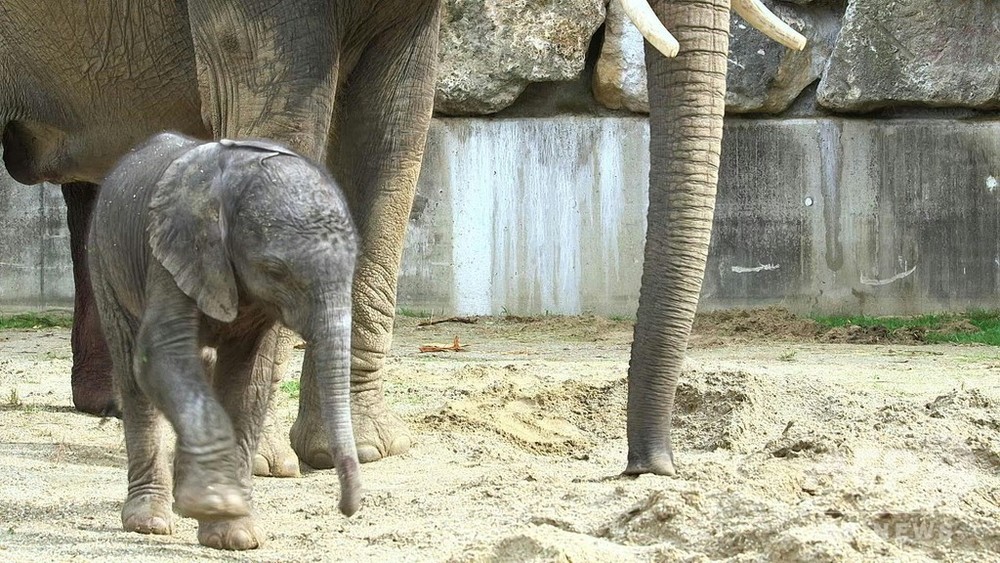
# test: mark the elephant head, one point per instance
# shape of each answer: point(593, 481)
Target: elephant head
point(687, 101)
point(251, 224)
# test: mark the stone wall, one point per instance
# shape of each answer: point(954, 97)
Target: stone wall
point(547, 215)
point(862, 55)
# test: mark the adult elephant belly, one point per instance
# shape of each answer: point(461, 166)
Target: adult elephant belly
point(86, 81)
point(36, 151)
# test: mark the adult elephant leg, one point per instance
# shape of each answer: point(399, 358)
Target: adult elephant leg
point(271, 73)
point(90, 378)
point(687, 101)
point(275, 457)
point(383, 117)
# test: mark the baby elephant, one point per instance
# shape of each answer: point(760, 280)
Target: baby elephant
point(210, 245)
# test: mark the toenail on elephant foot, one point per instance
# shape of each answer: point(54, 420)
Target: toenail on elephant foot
point(380, 433)
point(276, 466)
point(237, 534)
point(147, 515)
point(157, 525)
point(373, 451)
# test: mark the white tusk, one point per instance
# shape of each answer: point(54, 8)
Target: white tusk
point(644, 18)
point(757, 15)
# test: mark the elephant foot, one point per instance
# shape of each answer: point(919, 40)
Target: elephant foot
point(92, 389)
point(378, 432)
point(206, 494)
point(657, 464)
point(274, 457)
point(237, 534)
point(147, 514)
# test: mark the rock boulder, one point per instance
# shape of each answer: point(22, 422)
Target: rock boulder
point(915, 52)
point(492, 49)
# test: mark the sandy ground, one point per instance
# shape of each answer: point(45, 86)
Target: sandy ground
point(787, 451)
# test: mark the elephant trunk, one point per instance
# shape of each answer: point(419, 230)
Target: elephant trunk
point(328, 360)
point(687, 102)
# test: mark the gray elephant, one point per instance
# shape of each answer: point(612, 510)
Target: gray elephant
point(199, 245)
point(350, 84)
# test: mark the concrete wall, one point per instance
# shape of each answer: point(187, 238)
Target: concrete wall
point(548, 214)
point(35, 267)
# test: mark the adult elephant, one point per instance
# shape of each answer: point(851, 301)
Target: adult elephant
point(348, 83)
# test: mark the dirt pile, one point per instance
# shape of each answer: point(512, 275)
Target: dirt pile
point(771, 323)
point(568, 419)
point(855, 334)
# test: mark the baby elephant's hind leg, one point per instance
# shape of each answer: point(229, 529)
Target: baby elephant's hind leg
point(275, 457)
point(147, 506)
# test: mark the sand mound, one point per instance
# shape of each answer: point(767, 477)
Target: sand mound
point(833, 475)
point(714, 410)
point(568, 419)
point(855, 334)
point(549, 543)
point(768, 322)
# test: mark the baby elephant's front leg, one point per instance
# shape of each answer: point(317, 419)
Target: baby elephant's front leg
point(170, 372)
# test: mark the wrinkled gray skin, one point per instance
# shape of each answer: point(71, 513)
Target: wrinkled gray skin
point(349, 84)
point(198, 245)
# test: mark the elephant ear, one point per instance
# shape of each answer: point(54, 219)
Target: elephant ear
point(258, 145)
point(187, 231)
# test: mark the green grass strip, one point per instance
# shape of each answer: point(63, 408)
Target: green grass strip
point(944, 327)
point(36, 320)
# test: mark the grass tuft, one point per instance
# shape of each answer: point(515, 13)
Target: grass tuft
point(36, 321)
point(413, 313)
point(291, 387)
point(973, 327)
